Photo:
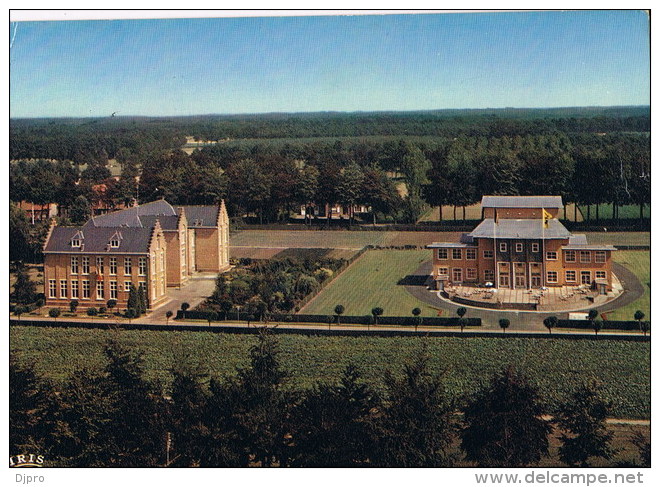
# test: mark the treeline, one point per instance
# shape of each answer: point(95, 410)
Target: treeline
point(75, 139)
point(117, 418)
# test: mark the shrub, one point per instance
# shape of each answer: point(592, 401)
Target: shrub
point(54, 312)
point(92, 312)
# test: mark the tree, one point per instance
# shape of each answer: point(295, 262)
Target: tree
point(503, 424)
point(639, 316)
point(462, 322)
point(225, 307)
point(111, 304)
point(73, 305)
point(211, 316)
point(25, 290)
point(134, 301)
point(582, 419)
point(332, 424)
point(376, 312)
point(251, 408)
point(416, 427)
point(350, 187)
point(416, 312)
point(185, 307)
point(19, 310)
point(130, 314)
point(168, 315)
point(550, 322)
point(80, 210)
point(504, 324)
point(339, 310)
point(307, 188)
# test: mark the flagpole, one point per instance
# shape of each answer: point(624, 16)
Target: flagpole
point(497, 267)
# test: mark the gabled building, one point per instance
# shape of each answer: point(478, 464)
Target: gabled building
point(520, 244)
point(153, 245)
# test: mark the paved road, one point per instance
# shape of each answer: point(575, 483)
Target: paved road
point(520, 320)
point(197, 290)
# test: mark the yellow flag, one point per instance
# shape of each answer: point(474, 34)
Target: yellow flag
point(546, 218)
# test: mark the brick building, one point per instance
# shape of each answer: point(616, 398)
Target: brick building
point(154, 245)
point(520, 244)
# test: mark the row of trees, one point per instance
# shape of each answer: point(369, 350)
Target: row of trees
point(118, 418)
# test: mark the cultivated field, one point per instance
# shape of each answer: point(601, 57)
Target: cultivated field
point(241, 242)
point(625, 211)
point(556, 366)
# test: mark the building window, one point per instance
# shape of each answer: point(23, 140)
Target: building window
point(142, 266)
point(75, 242)
point(585, 256)
point(456, 254)
point(113, 266)
point(570, 276)
point(113, 289)
point(100, 290)
point(128, 266)
point(74, 264)
point(471, 274)
point(74, 289)
point(504, 275)
point(569, 255)
point(552, 276)
point(86, 289)
point(551, 255)
point(100, 265)
point(488, 254)
point(85, 265)
point(457, 274)
point(601, 275)
point(63, 291)
point(443, 271)
point(585, 277)
point(127, 286)
point(503, 247)
point(601, 256)
point(52, 288)
point(442, 254)
point(471, 254)
point(535, 247)
point(519, 247)
point(489, 275)
point(114, 243)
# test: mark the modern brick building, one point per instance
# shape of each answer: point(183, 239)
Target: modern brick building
point(154, 245)
point(520, 244)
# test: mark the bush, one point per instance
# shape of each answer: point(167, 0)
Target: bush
point(54, 312)
point(92, 312)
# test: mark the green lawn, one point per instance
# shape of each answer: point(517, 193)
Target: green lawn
point(605, 211)
point(372, 281)
point(557, 366)
point(638, 261)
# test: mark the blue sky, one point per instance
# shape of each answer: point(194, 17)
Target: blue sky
point(339, 63)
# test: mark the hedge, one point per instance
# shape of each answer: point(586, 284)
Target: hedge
point(607, 324)
point(348, 320)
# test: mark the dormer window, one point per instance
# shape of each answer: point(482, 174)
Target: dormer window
point(115, 240)
point(75, 242)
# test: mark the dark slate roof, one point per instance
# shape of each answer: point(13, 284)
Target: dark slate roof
point(135, 217)
point(521, 202)
point(522, 229)
point(166, 222)
point(202, 216)
point(97, 240)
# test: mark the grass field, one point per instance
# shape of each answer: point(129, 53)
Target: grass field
point(556, 366)
point(373, 280)
point(638, 261)
point(625, 211)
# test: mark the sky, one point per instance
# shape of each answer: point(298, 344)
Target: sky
point(329, 63)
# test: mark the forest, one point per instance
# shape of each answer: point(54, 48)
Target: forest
point(268, 166)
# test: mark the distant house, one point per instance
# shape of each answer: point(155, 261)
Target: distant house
point(154, 245)
point(36, 212)
point(520, 244)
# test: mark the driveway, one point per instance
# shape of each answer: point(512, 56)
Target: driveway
point(520, 320)
point(200, 286)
